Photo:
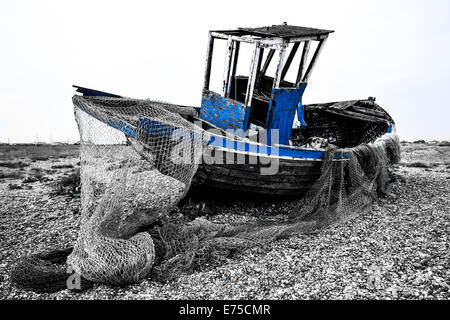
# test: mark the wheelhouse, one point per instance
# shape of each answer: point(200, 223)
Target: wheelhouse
point(259, 99)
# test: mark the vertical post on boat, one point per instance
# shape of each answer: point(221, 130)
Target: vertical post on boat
point(209, 53)
point(251, 82)
point(314, 60)
point(234, 61)
point(258, 66)
point(227, 67)
point(306, 47)
point(277, 77)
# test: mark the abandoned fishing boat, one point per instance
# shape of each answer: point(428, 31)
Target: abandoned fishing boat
point(270, 143)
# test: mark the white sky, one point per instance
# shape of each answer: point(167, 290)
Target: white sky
point(397, 51)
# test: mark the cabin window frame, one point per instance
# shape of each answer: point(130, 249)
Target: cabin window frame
point(258, 69)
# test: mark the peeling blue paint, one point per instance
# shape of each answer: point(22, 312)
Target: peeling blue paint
point(222, 112)
point(300, 108)
point(283, 105)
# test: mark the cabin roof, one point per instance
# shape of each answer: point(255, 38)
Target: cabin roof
point(280, 31)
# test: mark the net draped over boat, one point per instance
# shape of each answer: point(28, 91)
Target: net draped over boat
point(138, 158)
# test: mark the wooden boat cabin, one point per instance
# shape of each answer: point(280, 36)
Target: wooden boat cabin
point(258, 98)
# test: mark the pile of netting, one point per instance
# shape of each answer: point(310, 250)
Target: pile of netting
point(138, 158)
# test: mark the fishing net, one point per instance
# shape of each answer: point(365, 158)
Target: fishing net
point(45, 272)
point(132, 178)
point(344, 189)
point(137, 161)
point(138, 158)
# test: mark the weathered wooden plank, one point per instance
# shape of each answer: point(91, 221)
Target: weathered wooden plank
point(343, 105)
point(256, 189)
point(299, 164)
point(284, 31)
point(255, 183)
point(306, 46)
point(277, 77)
point(209, 54)
point(246, 162)
point(235, 59)
point(227, 67)
point(222, 112)
point(254, 170)
point(251, 83)
point(372, 112)
point(356, 115)
point(300, 177)
point(258, 67)
point(267, 43)
point(300, 39)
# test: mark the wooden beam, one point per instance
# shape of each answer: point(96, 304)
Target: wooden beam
point(237, 46)
point(371, 112)
point(232, 68)
point(308, 38)
point(235, 59)
point(209, 53)
point(314, 60)
point(252, 76)
point(227, 66)
point(277, 77)
point(289, 60)
point(261, 54)
point(306, 47)
point(263, 42)
point(271, 43)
